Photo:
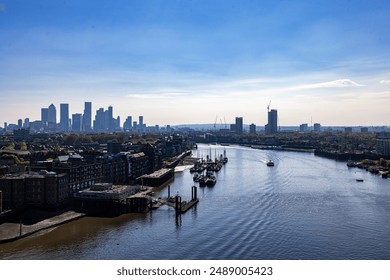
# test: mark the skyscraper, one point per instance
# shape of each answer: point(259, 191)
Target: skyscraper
point(99, 122)
point(127, 124)
point(272, 125)
point(64, 117)
point(77, 122)
point(52, 114)
point(87, 116)
point(45, 115)
point(109, 124)
point(239, 125)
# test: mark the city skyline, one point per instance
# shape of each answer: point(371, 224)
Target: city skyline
point(187, 62)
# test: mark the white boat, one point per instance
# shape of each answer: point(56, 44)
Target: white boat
point(270, 163)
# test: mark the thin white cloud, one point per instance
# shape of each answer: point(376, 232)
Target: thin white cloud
point(156, 95)
point(342, 83)
point(385, 82)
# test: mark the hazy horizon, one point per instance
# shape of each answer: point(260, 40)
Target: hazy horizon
point(177, 62)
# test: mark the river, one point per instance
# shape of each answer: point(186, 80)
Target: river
point(304, 207)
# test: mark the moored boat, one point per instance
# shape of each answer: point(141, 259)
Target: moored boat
point(270, 163)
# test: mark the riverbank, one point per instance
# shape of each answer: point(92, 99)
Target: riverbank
point(31, 224)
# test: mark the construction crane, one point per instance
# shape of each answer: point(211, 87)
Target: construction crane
point(268, 105)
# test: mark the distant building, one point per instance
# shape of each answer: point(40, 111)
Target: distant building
point(364, 129)
point(141, 122)
point(252, 129)
point(26, 123)
point(64, 117)
point(348, 129)
point(239, 125)
point(87, 117)
point(104, 120)
point(77, 121)
point(272, 126)
point(317, 127)
point(52, 114)
point(383, 143)
point(45, 115)
point(127, 125)
point(20, 123)
point(21, 134)
point(303, 127)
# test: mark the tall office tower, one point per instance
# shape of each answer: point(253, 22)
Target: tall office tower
point(109, 119)
point(252, 129)
point(77, 122)
point(317, 127)
point(239, 125)
point(99, 122)
point(141, 121)
point(87, 116)
point(272, 126)
point(26, 123)
point(52, 114)
point(127, 124)
point(303, 127)
point(45, 115)
point(64, 117)
point(5, 126)
point(20, 123)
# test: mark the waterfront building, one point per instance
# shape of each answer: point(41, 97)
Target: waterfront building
point(272, 126)
point(158, 178)
point(138, 165)
point(239, 125)
point(43, 189)
point(108, 191)
point(87, 117)
point(64, 117)
point(383, 143)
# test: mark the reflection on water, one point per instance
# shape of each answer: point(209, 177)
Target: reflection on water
point(305, 207)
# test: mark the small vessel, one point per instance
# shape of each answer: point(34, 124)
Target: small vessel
point(270, 163)
point(359, 179)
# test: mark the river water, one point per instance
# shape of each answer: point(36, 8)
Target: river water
point(305, 207)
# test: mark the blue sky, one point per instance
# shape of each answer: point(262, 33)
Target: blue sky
point(178, 62)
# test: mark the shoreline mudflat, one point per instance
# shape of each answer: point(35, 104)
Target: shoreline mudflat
point(11, 231)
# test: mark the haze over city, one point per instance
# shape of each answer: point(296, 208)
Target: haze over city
point(178, 62)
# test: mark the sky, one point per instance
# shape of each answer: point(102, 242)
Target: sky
point(198, 61)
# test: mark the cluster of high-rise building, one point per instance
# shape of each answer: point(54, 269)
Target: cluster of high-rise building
point(104, 121)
